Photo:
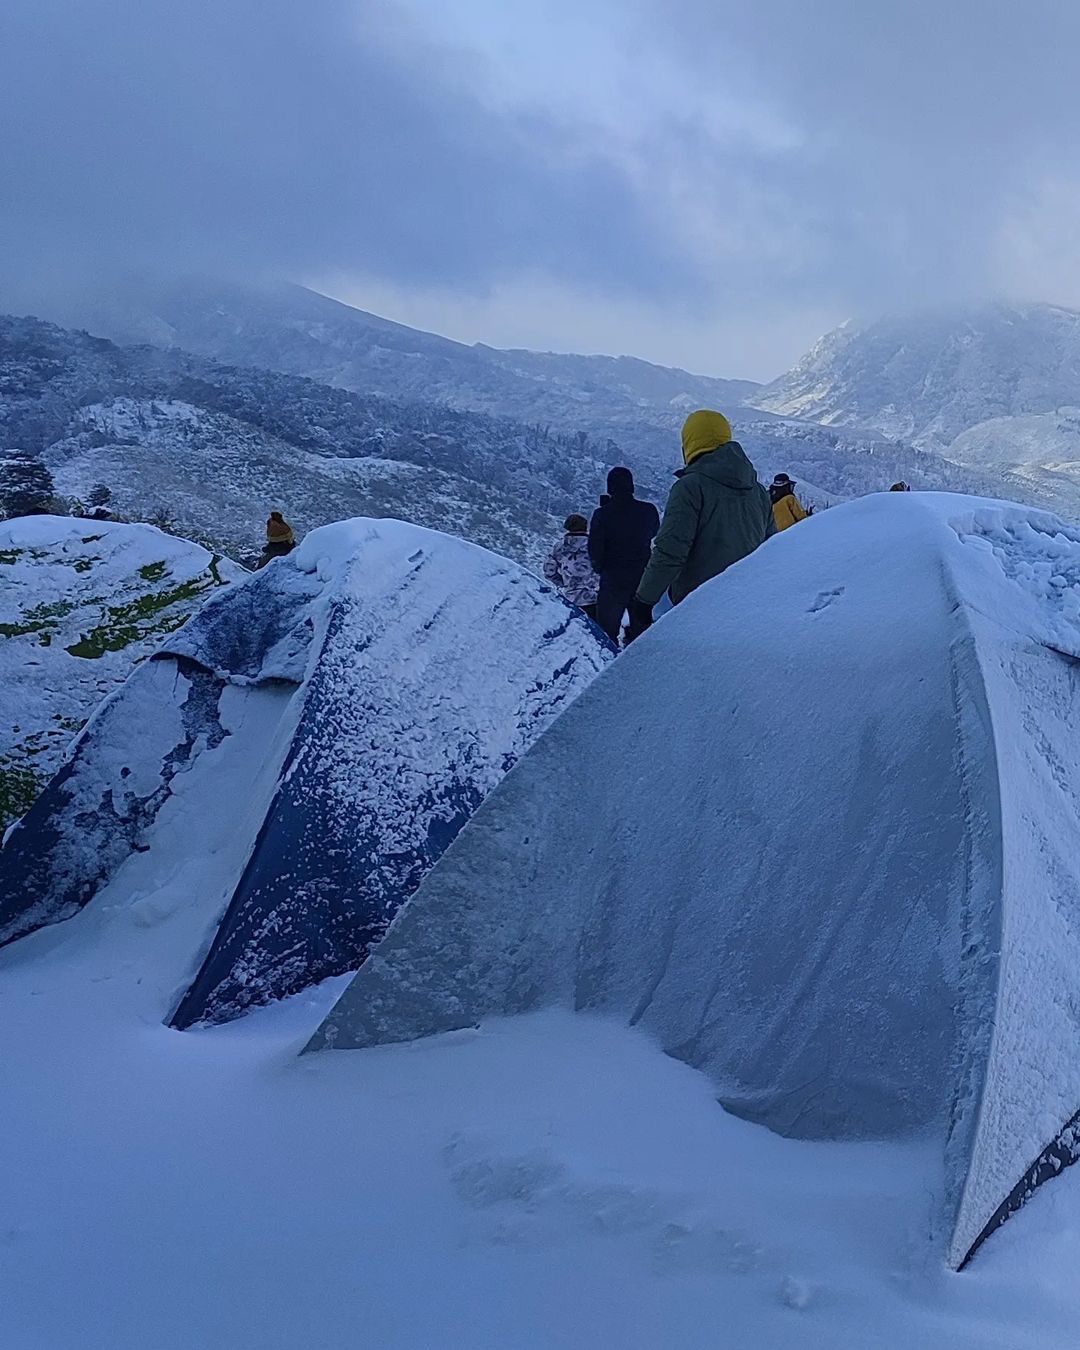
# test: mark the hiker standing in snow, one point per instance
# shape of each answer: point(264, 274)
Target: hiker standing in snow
point(786, 508)
point(620, 537)
point(569, 567)
point(717, 512)
point(280, 538)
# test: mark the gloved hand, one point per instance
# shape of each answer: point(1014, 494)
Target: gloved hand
point(640, 618)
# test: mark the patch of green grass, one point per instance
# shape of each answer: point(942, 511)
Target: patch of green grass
point(152, 571)
point(45, 613)
point(22, 629)
point(18, 788)
point(42, 619)
point(143, 617)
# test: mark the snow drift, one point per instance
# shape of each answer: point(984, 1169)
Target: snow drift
point(817, 832)
point(378, 683)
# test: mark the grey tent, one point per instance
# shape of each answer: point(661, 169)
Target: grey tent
point(827, 849)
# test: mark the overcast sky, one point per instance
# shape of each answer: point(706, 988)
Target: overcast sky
point(699, 182)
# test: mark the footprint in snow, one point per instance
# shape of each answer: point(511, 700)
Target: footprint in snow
point(825, 599)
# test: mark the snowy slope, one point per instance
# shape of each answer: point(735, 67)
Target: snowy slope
point(182, 433)
point(1048, 438)
point(993, 389)
point(80, 603)
point(838, 464)
point(217, 477)
point(216, 447)
point(299, 332)
point(554, 1182)
point(926, 378)
point(634, 404)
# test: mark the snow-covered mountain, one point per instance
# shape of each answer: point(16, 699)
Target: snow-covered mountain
point(216, 476)
point(300, 332)
point(832, 464)
point(81, 602)
point(213, 447)
point(951, 382)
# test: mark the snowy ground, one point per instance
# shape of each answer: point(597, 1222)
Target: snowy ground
point(553, 1181)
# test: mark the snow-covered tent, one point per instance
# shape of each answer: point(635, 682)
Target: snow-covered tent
point(818, 832)
point(372, 687)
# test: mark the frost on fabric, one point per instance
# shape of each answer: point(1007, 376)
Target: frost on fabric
point(817, 833)
point(98, 806)
point(263, 633)
point(105, 798)
point(439, 665)
point(423, 666)
point(1020, 577)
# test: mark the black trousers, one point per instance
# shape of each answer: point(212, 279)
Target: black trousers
point(273, 551)
point(617, 591)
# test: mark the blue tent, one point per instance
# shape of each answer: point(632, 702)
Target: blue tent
point(414, 669)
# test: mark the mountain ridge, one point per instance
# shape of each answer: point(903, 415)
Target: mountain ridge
point(215, 446)
point(929, 378)
point(298, 331)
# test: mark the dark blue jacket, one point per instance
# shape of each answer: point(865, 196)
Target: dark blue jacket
point(621, 535)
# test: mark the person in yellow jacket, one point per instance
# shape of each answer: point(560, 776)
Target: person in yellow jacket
point(280, 539)
point(786, 508)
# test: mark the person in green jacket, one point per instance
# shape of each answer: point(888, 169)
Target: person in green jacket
point(717, 512)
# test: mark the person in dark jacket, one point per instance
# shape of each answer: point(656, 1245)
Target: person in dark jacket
point(620, 537)
point(717, 513)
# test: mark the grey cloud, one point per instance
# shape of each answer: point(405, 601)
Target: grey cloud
point(247, 135)
point(923, 122)
point(331, 139)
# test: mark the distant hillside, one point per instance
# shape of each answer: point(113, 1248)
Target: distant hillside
point(211, 448)
point(299, 332)
point(217, 446)
point(930, 378)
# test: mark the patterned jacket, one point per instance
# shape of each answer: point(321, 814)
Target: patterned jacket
point(570, 569)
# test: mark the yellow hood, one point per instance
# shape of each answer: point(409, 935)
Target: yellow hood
point(703, 431)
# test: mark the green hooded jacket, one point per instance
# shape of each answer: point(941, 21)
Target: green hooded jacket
point(717, 512)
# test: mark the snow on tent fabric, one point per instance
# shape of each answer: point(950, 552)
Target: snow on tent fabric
point(102, 803)
point(439, 665)
point(832, 862)
point(410, 670)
